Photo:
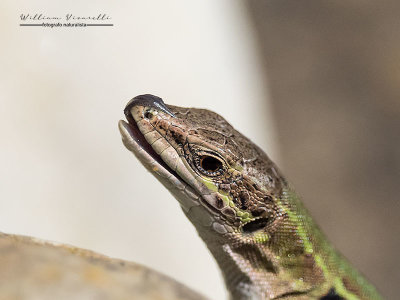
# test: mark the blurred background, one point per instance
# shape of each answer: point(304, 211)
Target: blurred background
point(316, 85)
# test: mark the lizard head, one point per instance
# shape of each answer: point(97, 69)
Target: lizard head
point(221, 179)
point(265, 242)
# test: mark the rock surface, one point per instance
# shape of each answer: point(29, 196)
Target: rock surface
point(36, 269)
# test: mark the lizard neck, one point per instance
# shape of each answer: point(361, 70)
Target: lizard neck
point(251, 270)
point(238, 281)
point(298, 263)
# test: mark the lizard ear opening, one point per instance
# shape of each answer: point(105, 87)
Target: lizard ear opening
point(255, 225)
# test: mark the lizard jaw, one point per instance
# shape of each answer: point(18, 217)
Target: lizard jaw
point(135, 142)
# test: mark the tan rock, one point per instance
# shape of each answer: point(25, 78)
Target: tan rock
point(36, 269)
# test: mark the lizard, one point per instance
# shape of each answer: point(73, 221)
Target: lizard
point(263, 239)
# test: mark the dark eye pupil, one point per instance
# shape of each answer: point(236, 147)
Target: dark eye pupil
point(210, 164)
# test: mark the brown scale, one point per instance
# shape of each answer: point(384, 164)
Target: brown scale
point(230, 215)
point(161, 126)
point(219, 202)
point(174, 134)
point(225, 187)
point(248, 197)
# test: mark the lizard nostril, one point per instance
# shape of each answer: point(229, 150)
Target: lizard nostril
point(148, 114)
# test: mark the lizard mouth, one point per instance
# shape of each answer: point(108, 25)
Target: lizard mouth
point(139, 138)
point(135, 141)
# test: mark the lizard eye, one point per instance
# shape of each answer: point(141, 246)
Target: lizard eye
point(209, 165)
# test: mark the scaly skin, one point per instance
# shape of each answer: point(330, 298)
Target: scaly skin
point(265, 242)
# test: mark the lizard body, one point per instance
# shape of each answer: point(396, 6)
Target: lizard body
point(263, 239)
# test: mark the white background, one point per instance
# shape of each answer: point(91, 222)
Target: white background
point(64, 173)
